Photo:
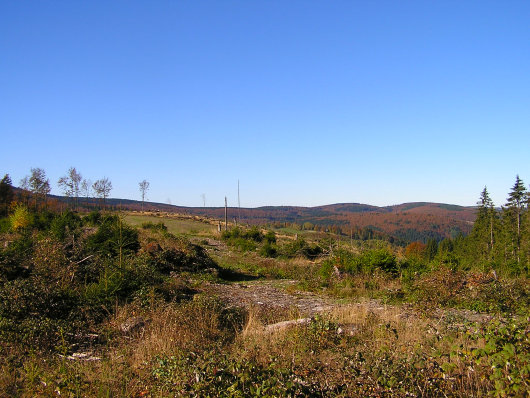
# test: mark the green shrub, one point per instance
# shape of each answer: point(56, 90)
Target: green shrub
point(300, 247)
point(268, 250)
point(253, 234)
point(93, 218)
point(115, 283)
point(5, 225)
point(270, 237)
point(32, 310)
point(326, 270)
point(382, 259)
point(507, 355)
point(243, 244)
point(182, 257)
point(231, 234)
point(43, 220)
point(219, 375)
point(369, 261)
point(15, 259)
point(346, 261)
point(65, 224)
point(243, 240)
point(112, 238)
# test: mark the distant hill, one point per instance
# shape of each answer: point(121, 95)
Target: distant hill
point(407, 222)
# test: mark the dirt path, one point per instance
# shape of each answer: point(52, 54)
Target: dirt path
point(272, 295)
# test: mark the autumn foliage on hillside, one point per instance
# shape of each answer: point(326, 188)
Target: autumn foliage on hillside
point(407, 222)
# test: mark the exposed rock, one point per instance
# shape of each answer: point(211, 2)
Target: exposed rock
point(285, 324)
point(132, 325)
point(348, 330)
point(82, 356)
point(271, 295)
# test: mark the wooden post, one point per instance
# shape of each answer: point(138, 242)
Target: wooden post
point(226, 215)
point(238, 204)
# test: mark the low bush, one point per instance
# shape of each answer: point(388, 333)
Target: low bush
point(21, 218)
point(253, 233)
point(507, 353)
point(220, 375)
point(445, 287)
point(15, 259)
point(245, 245)
point(93, 218)
point(65, 225)
point(366, 262)
point(300, 247)
point(270, 237)
point(5, 225)
point(113, 238)
point(268, 250)
point(243, 240)
point(32, 311)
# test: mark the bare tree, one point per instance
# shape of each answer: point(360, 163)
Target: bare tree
point(86, 189)
point(70, 184)
point(144, 186)
point(24, 184)
point(37, 184)
point(102, 189)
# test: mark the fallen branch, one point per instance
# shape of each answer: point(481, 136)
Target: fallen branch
point(86, 258)
point(285, 324)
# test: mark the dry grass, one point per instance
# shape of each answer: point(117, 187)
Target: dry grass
point(374, 332)
point(363, 349)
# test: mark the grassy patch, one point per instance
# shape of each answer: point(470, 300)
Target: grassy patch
point(174, 226)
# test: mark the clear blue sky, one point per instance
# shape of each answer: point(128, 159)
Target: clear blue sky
point(305, 102)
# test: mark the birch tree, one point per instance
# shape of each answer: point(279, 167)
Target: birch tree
point(144, 186)
point(102, 188)
point(70, 184)
point(37, 183)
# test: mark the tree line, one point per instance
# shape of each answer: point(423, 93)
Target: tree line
point(499, 239)
point(502, 236)
point(36, 188)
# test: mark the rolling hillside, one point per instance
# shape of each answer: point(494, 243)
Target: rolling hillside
point(407, 222)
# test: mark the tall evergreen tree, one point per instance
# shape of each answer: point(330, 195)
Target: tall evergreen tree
point(431, 249)
point(513, 213)
point(485, 227)
point(6, 194)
